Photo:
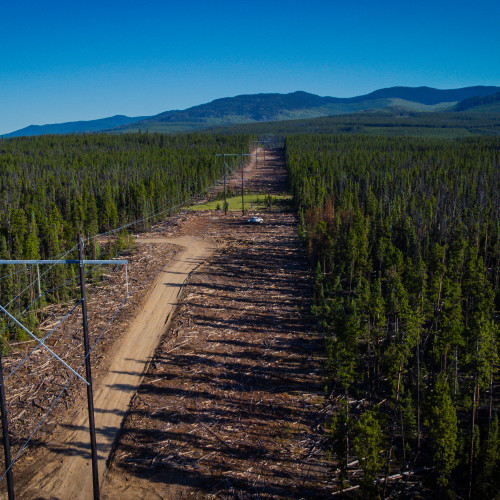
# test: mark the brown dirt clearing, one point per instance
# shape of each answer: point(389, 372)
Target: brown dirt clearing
point(231, 403)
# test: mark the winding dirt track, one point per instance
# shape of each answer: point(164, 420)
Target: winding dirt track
point(70, 477)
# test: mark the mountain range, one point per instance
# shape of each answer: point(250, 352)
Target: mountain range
point(276, 107)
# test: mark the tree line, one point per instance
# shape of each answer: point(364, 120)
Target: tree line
point(54, 187)
point(404, 236)
point(382, 123)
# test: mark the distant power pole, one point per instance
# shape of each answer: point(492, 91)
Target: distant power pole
point(257, 151)
point(225, 201)
point(225, 170)
point(242, 187)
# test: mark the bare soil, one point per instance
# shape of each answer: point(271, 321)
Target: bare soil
point(231, 404)
point(68, 476)
point(33, 389)
point(34, 386)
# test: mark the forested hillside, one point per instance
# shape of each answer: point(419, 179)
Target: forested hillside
point(266, 107)
point(54, 187)
point(404, 235)
point(396, 123)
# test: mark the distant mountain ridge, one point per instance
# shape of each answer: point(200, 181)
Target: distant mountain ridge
point(250, 108)
point(481, 103)
point(255, 106)
point(88, 126)
point(429, 95)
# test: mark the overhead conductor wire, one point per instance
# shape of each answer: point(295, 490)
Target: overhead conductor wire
point(120, 307)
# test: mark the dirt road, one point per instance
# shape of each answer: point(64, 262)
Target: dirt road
point(69, 476)
point(231, 405)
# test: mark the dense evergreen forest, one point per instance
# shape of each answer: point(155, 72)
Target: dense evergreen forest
point(54, 187)
point(382, 123)
point(404, 235)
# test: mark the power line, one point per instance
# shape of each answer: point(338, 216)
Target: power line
point(153, 214)
point(43, 340)
point(158, 211)
point(72, 376)
point(88, 350)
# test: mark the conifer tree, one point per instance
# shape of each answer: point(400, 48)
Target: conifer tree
point(339, 435)
point(488, 478)
point(442, 427)
point(367, 445)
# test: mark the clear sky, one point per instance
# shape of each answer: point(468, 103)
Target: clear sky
point(66, 61)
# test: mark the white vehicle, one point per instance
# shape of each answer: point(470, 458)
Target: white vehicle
point(255, 220)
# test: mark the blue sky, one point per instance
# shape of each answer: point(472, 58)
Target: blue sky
point(65, 61)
